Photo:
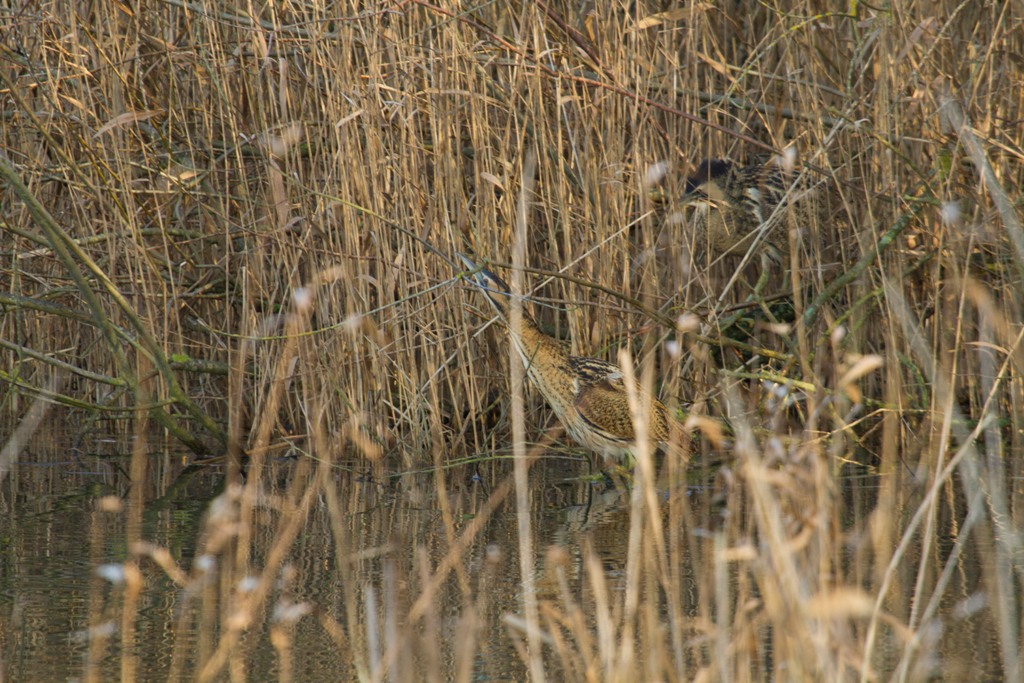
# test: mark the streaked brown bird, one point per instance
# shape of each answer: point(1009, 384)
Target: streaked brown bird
point(732, 203)
point(588, 395)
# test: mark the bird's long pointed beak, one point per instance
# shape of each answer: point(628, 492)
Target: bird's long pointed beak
point(473, 269)
point(468, 262)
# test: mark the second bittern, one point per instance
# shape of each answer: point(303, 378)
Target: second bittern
point(588, 395)
point(756, 207)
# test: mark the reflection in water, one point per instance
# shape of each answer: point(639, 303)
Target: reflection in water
point(368, 554)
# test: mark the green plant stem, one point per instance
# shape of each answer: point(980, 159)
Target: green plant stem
point(71, 254)
point(864, 262)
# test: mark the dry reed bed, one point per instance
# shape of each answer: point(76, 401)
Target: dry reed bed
point(259, 206)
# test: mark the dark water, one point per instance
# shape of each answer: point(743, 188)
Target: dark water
point(66, 528)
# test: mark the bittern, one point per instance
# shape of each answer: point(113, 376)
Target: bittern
point(588, 395)
point(733, 203)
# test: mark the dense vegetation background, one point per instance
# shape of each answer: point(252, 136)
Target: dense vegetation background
point(235, 221)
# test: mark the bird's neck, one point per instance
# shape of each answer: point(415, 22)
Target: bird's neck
point(534, 346)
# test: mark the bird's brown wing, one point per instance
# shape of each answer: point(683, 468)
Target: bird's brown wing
point(603, 406)
point(602, 403)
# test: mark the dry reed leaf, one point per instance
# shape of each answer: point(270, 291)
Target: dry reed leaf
point(125, 119)
point(677, 14)
point(78, 103)
point(781, 329)
point(843, 602)
point(1002, 350)
point(182, 176)
point(350, 117)
point(863, 366)
point(710, 427)
point(739, 553)
point(492, 179)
